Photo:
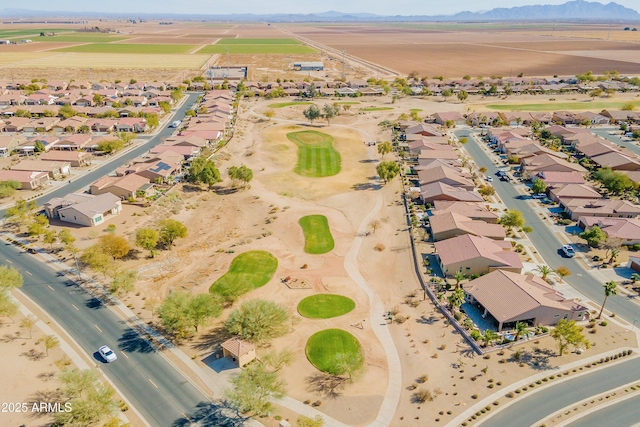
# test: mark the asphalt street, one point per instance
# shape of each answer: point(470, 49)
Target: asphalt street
point(604, 133)
point(158, 390)
point(155, 387)
point(529, 410)
point(620, 414)
point(545, 240)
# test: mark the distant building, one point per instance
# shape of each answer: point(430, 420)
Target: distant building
point(226, 73)
point(308, 66)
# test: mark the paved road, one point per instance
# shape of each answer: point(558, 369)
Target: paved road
point(604, 133)
point(620, 414)
point(546, 241)
point(531, 409)
point(158, 390)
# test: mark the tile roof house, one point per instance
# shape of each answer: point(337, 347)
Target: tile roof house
point(573, 191)
point(83, 209)
point(600, 208)
point(124, 187)
point(7, 144)
point(546, 162)
point(476, 255)
point(553, 179)
point(510, 297)
point(450, 224)
point(423, 129)
point(54, 169)
point(444, 154)
point(447, 175)
point(74, 158)
point(617, 161)
point(239, 351)
point(627, 230)
point(440, 191)
point(595, 148)
point(75, 142)
point(454, 116)
point(132, 124)
point(473, 210)
point(30, 180)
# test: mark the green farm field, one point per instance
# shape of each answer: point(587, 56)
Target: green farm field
point(325, 306)
point(248, 271)
point(29, 32)
point(316, 155)
point(317, 234)
point(323, 347)
point(164, 49)
point(257, 49)
point(80, 38)
point(235, 41)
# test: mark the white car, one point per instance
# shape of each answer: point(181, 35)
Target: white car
point(539, 196)
point(489, 179)
point(568, 251)
point(107, 354)
point(175, 124)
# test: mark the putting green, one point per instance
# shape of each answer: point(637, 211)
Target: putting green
point(248, 271)
point(316, 155)
point(325, 306)
point(323, 347)
point(317, 235)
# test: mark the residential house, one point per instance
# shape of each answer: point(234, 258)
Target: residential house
point(439, 191)
point(510, 298)
point(28, 179)
point(187, 151)
point(513, 118)
point(611, 208)
point(70, 125)
point(102, 125)
point(41, 124)
point(473, 210)
point(554, 179)
point(125, 187)
point(443, 154)
point(83, 209)
point(8, 143)
point(595, 148)
point(476, 255)
point(446, 175)
point(545, 163)
point(54, 169)
point(451, 224)
point(616, 161)
point(132, 124)
point(74, 158)
point(75, 142)
point(429, 143)
point(453, 116)
point(573, 191)
point(593, 118)
point(423, 129)
point(626, 230)
point(620, 116)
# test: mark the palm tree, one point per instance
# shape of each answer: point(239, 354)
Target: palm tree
point(521, 329)
point(610, 288)
point(635, 277)
point(489, 336)
point(545, 270)
point(613, 255)
point(385, 148)
point(456, 299)
point(459, 276)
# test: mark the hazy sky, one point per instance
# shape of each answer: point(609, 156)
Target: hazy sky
point(393, 7)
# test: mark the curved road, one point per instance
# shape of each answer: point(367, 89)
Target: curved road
point(619, 414)
point(545, 240)
point(529, 410)
point(155, 387)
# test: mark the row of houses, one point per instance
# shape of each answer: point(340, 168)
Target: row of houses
point(585, 118)
point(468, 238)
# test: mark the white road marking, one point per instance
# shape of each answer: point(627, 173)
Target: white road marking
point(28, 273)
point(154, 384)
point(74, 306)
point(9, 261)
point(124, 354)
point(49, 286)
point(98, 328)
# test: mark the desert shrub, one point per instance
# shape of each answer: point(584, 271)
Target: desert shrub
point(379, 247)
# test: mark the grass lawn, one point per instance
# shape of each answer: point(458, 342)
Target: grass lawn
point(317, 235)
point(417, 110)
point(324, 345)
point(257, 49)
point(325, 306)
point(316, 155)
point(347, 102)
point(376, 108)
point(288, 104)
point(257, 41)
point(560, 106)
point(130, 48)
point(248, 271)
point(80, 38)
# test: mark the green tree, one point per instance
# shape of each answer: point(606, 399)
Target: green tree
point(166, 107)
point(459, 276)
point(312, 113)
point(447, 93)
point(615, 181)
point(29, 323)
point(114, 246)
point(544, 270)
point(97, 260)
point(8, 188)
point(89, 400)
point(50, 342)
point(538, 186)
point(20, 212)
point(66, 238)
point(487, 190)
point(152, 120)
point(254, 388)
point(203, 171)
point(38, 147)
point(278, 359)
point(170, 230)
point(521, 329)
point(147, 238)
point(176, 94)
point(182, 313)
point(202, 308)
point(463, 95)
point(240, 174)
point(110, 146)
point(385, 148)
point(98, 99)
point(67, 111)
point(123, 281)
point(10, 278)
point(387, 170)
point(489, 336)
point(38, 225)
point(329, 112)
point(304, 421)
point(567, 332)
point(258, 320)
point(512, 218)
point(8, 308)
point(456, 299)
point(348, 364)
point(594, 236)
point(269, 114)
point(610, 289)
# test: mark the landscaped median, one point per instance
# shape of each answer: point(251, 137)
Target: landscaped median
point(248, 271)
point(317, 235)
point(325, 306)
point(316, 155)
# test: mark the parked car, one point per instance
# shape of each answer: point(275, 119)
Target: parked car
point(107, 354)
point(568, 251)
point(489, 179)
point(501, 173)
point(539, 196)
point(175, 124)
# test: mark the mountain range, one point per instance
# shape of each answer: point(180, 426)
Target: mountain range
point(572, 10)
